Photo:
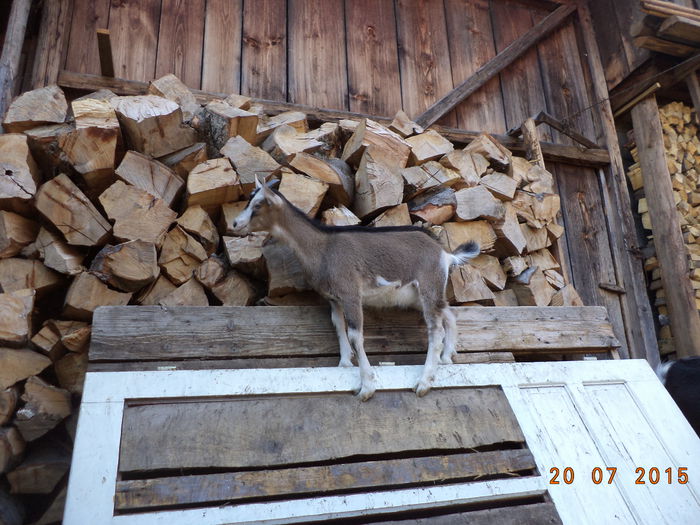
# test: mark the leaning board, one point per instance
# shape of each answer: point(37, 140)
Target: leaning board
point(293, 445)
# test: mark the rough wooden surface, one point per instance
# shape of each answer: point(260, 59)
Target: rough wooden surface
point(166, 436)
point(232, 332)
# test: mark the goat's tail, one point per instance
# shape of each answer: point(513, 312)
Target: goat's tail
point(465, 253)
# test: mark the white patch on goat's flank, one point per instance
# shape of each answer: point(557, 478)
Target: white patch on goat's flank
point(383, 282)
point(392, 295)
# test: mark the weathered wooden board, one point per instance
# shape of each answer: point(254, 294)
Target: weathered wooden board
point(221, 69)
point(296, 481)
point(88, 16)
point(374, 82)
point(133, 28)
point(180, 40)
point(275, 431)
point(264, 54)
point(317, 66)
point(533, 514)
point(228, 332)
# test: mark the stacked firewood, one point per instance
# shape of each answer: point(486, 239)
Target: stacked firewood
point(682, 146)
point(118, 200)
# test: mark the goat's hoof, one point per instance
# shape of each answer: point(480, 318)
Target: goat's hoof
point(422, 388)
point(365, 393)
point(345, 363)
point(446, 360)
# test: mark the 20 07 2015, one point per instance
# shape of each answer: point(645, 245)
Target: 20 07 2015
point(606, 475)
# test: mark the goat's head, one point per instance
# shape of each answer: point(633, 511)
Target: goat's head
point(263, 210)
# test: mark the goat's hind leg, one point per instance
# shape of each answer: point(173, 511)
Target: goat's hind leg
point(450, 324)
point(353, 317)
point(338, 319)
point(436, 336)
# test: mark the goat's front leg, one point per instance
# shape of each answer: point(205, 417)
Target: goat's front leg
point(338, 319)
point(436, 335)
point(353, 317)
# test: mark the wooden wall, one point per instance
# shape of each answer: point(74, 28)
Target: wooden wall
point(375, 57)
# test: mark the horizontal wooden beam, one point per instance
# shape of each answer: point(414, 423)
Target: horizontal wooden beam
point(494, 66)
point(594, 158)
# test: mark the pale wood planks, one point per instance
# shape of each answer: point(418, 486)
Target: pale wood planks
point(269, 431)
point(180, 40)
point(264, 54)
point(208, 488)
point(317, 68)
point(222, 46)
point(88, 16)
point(373, 67)
point(471, 45)
point(133, 27)
point(532, 514)
point(151, 333)
point(426, 73)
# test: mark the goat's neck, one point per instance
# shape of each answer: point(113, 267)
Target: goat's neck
point(300, 235)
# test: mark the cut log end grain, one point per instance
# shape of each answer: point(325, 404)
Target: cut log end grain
point(377, 186)
point(128, 266)
point(34, 108)
point(384, 145)
point(19, 174)
point(428, 146)
point(249, 161)
point(211, 184)
point(45, 406)
point(16, 232)
point(180, 255)
point(150, 176)
point(16, 317)
point(339, 216)
point(86, 293)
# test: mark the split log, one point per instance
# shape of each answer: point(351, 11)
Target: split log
point(477, 202)
point(545, 207)
point(306, 193)
point(18, 365)
point(180, 255)
point(18, 274)
point(16, 317)
point(223, 121)
point(75, 335)
point(384, 145)
point(539, 180)
point(537, 292)
point(15, 233)
point(249, 161)
point(505, 298)
point(490, 270)
point(136, 213)
point(339, 216)
point(172, 88)
point(91, 146)
point(435, 206)
point(456, 233)
point(554, 231)
point(152, 295)
point(8, 403)
point(210, 271)
point(240, 101)
point(429, 175)
point(466, 285)
point(498, 156)
point(45, 406)
point(519, 167)
point(21, 175)
point(69, 210)
point(376, 186)
point(229, 212)
point(511, 240)
point(567, 296)
point(211, 184)
point(197, 222)
point(428, 146)
point(334, 172)
point(543, 259)
point(182, 162)
point(284, 269)
point(515, 265)
point(57, 254)
point(86, 293)
point(43, 144)
point(128, 266)
point(189, 293)
point(470, 166)
point(501, 185)
point(523, 202)
point(267, 125)
point(234, 290)
point(151, 176)
point(153, 125)
point(535, 239)
point(404, 126)
point(246, 253)
point(42, 106)
point(330, 134)
point(555, 279)
point(396, 216)
point(40, 471)
point(12, 447)
point(286, 141)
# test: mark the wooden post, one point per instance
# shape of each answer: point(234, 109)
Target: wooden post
point(668, 239)
point(636, 310)
point(52, 42)
point(694, 89)
point(12, 51)
point(532, 142)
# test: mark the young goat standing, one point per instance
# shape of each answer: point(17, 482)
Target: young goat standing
point(354, 265)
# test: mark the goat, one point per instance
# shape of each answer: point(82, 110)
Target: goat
point(354, 265)
point(682, 380)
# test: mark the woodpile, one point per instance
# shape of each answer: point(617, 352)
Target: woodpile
point(118, 200)
point(682, 145)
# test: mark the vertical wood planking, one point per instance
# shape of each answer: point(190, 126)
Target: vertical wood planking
point(52, 42)
point(521, 83)
point(590, 257)
point(373, 65)
point(133, 26)
point(221, 67)
point(180, 40)
point(88, 16)
point(317, 68)
point(471, 45)
point(264, 53)
point(424, 58)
